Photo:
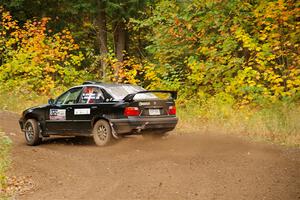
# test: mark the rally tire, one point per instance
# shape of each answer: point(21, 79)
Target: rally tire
point(32, 132)
point(102, 133)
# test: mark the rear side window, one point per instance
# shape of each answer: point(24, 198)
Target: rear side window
point(91, 94)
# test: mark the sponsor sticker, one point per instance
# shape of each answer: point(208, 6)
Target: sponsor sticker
point(144, 103)
point(57, 114)
point(82, 111)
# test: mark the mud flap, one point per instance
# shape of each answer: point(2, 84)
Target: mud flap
point(113, 132)
point(41, 132)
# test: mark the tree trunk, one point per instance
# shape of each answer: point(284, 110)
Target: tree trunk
point(120, 46)
point(120, 40)
point(102, 37)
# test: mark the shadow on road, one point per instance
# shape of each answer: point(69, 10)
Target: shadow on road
point(79, 140)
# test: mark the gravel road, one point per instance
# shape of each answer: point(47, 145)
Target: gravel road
point(192, 166)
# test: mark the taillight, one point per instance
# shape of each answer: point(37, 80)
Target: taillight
point(131, 111)
point(172, 110)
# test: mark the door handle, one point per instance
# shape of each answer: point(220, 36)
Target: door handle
point(94, 107)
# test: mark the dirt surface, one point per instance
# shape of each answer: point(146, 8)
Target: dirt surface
point(177, 167)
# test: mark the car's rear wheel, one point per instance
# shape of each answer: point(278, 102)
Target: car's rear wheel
point(32, 130)
point(102, 133)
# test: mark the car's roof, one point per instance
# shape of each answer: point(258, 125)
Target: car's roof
point(94, 83)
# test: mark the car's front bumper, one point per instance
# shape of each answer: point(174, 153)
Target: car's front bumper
point(139, 124)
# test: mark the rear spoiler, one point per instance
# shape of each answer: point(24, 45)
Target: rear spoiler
point(130, 97)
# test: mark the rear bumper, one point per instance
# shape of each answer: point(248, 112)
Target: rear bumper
point(138, 124)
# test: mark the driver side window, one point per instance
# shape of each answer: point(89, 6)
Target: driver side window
point(70, 97)
point(91, 95)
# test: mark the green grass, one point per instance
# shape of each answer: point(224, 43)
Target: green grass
point(5, 145)
point(275, 122)
point(17, 101)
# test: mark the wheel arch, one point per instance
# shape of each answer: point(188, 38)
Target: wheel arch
point(31, 116)
point(97, 118)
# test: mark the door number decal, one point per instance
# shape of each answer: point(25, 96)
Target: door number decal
point(57, 114)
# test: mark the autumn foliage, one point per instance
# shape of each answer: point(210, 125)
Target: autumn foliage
point(244, 51)
point(34, 58)
point(247, 50)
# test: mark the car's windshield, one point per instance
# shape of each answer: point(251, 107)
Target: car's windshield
point(118, 92)
point(69, 97)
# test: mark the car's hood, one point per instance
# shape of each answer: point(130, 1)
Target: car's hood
point(35, 107)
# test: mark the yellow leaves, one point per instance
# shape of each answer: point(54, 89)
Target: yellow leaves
point(150, 75)
point(258, 48)
point(251, 82)
point(204, 50)
point(244, 37)
point(278, 80)
point(128, 71)
point(33, 56)
point(271, 57)
point(47, 85)
point(291, 84)
point(270, 47)
point(189, 26)
point(49, 69)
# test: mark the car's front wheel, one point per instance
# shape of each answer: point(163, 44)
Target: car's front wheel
point(102, 133)
point(32, 136)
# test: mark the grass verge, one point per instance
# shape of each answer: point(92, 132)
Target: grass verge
point(275, 122)
point(5, 145)
point(17, 101)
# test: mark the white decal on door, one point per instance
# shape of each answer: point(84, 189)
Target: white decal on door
point(82, 111)
point(57, 114)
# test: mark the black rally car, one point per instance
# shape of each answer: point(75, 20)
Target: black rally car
point(104, 111)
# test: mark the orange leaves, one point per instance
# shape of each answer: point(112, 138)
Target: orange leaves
point(33, 55)
point(176, 21)
point(132, 70)
point(126, 71)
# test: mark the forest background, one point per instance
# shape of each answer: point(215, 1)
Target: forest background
point(234, 63)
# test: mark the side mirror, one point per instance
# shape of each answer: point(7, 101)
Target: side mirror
point(51, 101)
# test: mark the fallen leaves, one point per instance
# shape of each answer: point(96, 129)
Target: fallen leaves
point(17, 185)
